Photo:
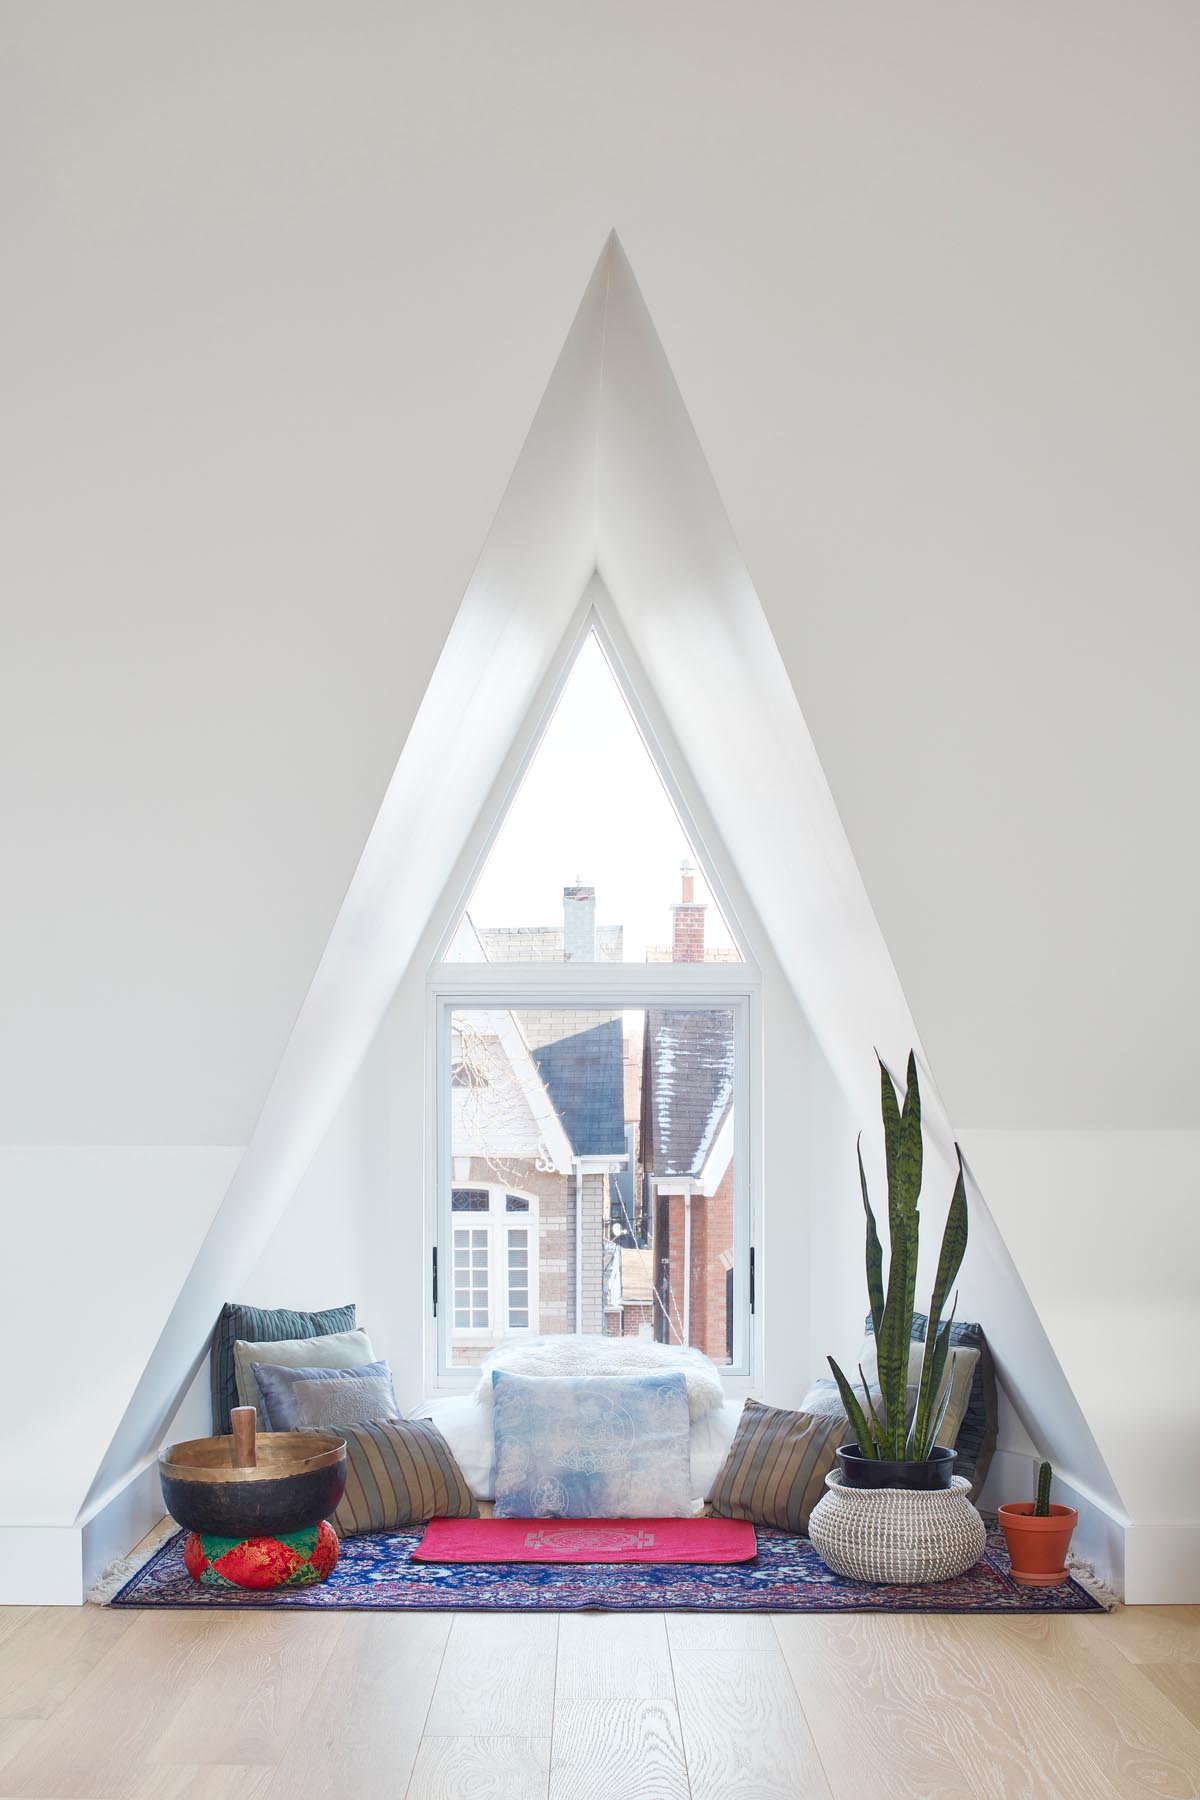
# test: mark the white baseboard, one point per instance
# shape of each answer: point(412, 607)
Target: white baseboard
point(121, 1522)
point(1162, 1565)
point(41, 1565)
point(56, 1565)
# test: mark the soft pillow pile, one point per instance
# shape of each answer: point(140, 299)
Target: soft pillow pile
point(576, 1355)
point(258, 1325)
point(331, 1350)
point(322, 1396)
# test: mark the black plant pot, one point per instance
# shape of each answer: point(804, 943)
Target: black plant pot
point(865, 1472)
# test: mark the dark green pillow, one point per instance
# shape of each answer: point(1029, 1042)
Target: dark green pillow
point(261, 1325)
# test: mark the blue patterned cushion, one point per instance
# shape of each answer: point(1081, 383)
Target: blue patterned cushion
point(278, 1386)
point(587, 1448)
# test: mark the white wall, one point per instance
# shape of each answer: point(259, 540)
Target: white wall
point(98, 1243)
point(1105, 1229)
point(83, 1316)
point(278, 305)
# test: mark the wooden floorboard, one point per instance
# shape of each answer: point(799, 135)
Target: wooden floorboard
point(720, 1631)
point(1004, 1732)
point(254, 1694)
point(497, 1677)
point(481, 1768)
point(869, 1705)
point(617, 1750)
point(363, 1725)
point(613, 1656)
point(97, 1704)
point(1180, 1682)
point(745, 1733)
point(94, 1743)
point(1137, 1738)
point(50, 1652)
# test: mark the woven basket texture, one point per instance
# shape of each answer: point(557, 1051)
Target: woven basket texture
point(897, 1535)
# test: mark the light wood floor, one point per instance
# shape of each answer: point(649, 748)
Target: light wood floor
point(104, 1705)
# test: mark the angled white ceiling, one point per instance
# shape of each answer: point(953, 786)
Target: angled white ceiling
point(612, 478)
point(929, 282)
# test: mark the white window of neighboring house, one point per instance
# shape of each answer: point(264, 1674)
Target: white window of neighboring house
point(595, 1049)
point(493, 1275)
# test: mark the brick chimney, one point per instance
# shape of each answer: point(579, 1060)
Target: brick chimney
point(579, 924)
point(687, 938)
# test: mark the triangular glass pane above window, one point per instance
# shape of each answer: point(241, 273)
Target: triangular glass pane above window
point(592, 862)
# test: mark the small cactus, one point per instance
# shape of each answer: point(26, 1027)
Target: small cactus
point(1041, 1509)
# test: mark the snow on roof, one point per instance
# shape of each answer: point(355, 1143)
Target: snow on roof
point(687, 1086)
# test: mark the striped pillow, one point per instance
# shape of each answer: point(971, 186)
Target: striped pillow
point(399, 1472)
point(261, 1325)
point(776, 1468)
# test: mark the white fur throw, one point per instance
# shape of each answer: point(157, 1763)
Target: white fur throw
point(582, 1355)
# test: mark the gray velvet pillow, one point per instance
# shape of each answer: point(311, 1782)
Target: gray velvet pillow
point(280, 1386)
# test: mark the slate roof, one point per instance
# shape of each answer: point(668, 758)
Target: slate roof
point(583, 1077)
point(687, 1086)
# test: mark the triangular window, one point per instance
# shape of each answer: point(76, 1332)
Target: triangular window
point(592, 862)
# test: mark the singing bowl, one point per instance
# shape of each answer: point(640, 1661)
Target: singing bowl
point(297, 1481)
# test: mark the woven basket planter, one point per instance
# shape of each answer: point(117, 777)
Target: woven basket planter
point(897, 1535)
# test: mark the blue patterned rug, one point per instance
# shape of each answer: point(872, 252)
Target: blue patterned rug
point(376, 1572)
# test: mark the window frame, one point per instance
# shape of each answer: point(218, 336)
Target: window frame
point(609, 987)
point(497, 1223)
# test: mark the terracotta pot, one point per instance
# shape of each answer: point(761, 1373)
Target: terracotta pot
point(1037, 1548)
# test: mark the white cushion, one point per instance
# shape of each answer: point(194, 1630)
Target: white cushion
point(711, 1437)
point(579, 1354)
point(467, 1429)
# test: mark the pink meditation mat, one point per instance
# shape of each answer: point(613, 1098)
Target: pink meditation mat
point(587, 1541)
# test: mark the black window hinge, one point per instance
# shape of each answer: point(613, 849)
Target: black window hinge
point(752, 1279)
point(435, 1281)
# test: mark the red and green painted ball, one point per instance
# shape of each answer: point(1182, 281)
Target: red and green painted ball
point(293, 1559)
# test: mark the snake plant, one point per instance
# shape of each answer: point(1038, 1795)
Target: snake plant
point(888, 1437)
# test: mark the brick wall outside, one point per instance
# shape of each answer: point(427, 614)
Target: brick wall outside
point(591, 1215)
point(688, 934)
point(549, 1025)
point(712, 1235)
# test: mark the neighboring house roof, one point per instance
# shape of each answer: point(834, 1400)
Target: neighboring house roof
point(509, 1111)
point(543, 943)
point(583, 1077)
point(687, 1089)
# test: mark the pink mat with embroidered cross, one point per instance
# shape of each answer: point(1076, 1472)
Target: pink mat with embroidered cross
point(587, 1541)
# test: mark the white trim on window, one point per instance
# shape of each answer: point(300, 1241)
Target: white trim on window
point(517, 986)
point(484, 1240)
